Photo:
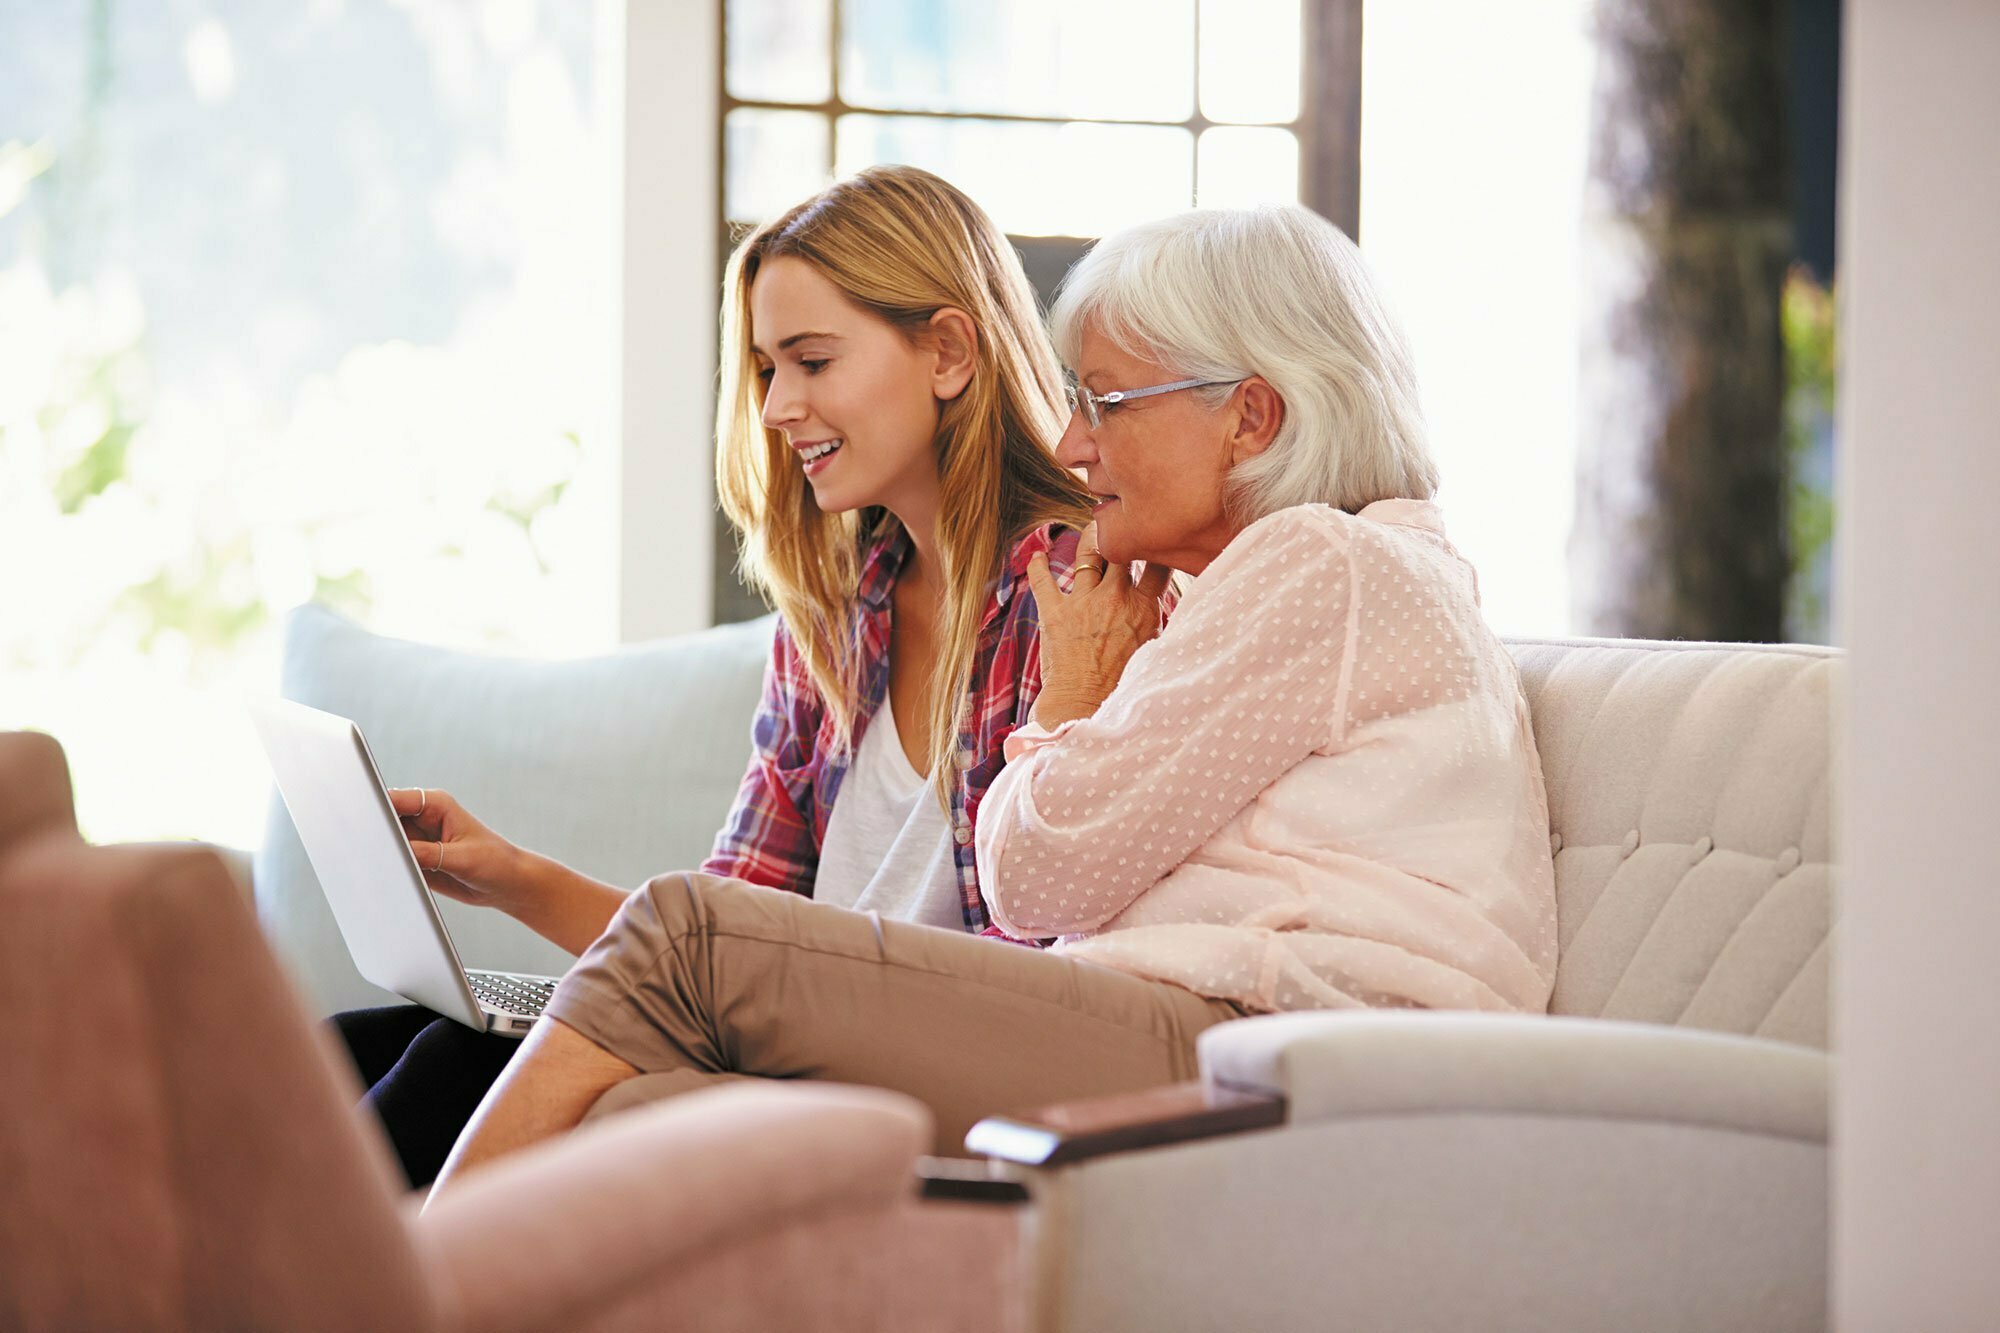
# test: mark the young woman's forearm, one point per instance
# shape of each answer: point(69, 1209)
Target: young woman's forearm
point(545, 1091)
point(563, 905)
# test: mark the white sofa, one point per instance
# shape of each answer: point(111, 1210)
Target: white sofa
point(1653, 1157)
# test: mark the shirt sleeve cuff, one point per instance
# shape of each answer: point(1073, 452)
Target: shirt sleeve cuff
point(1032, 736)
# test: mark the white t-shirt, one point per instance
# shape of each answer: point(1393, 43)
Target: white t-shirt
point(888, 848)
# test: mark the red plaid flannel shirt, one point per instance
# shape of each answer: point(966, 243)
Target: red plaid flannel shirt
point(778, 823)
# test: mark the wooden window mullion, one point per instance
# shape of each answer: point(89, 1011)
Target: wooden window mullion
point(1330, 113)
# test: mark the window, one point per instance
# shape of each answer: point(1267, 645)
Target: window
point(1472, 215)
point(1065, 121)
point(295, 302)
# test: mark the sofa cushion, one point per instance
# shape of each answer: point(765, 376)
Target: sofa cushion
point(1688, 795)
point(622, 766)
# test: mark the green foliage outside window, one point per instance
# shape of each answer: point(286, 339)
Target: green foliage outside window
point(1810, 365)
point(78, 433)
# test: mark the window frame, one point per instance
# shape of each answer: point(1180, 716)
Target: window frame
point(1327, 126)
point(1327, 129)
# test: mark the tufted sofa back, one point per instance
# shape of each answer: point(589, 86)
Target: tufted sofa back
point(1688, 789)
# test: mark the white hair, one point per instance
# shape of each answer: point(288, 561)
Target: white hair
point(1223, 294)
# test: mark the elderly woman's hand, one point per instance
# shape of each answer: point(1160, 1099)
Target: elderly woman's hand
point(1090, 634)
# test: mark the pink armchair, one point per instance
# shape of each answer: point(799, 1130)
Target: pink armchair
point(178, 1150)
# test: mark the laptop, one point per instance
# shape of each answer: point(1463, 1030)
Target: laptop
point(384, 909)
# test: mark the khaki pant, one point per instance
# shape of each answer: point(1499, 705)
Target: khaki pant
point(700, 979)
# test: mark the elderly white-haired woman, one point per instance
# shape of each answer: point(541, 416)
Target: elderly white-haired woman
point(1315, 788)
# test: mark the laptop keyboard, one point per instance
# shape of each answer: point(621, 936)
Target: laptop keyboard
point(510, 995)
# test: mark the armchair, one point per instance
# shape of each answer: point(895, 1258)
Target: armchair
point(178, 1150)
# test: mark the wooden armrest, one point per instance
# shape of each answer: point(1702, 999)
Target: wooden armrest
point(968, 1181)
point(1074, 1131)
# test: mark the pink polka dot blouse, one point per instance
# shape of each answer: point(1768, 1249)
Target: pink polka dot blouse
point(1316, 789)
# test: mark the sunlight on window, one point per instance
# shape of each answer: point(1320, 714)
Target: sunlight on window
point(1061, 119)
point(352, 349)
point(356, 346)
point(772, 160)
point(1250, 60)
point(1079, 179)
point(1471, 202)
point(1242, 167)
point(1121, 59)
point(211, 63)
point(779, 50)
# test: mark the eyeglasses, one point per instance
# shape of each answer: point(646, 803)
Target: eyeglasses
point(1080, 397)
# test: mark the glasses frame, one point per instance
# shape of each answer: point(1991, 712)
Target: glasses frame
point(1080, 397)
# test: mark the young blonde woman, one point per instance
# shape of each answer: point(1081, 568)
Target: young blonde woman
point(887, 412)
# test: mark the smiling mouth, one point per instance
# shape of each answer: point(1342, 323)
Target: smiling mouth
point(814, 453)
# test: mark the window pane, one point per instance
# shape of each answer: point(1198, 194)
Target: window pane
point(296, 301)
point(780, 50)
point(1241, 168)
point(1037, 180)
point(1250, 60)
point(1492, 307)
point(774, 159)
point(1117, 59)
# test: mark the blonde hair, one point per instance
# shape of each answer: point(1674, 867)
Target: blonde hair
point(1222, 294)
point(902, 244)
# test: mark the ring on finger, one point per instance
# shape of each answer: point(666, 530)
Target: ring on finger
point(423, 799)
point(439, 867)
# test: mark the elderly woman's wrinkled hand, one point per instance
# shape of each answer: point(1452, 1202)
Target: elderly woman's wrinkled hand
point(1090, 633)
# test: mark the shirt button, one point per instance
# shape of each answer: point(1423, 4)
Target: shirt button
point(963, 833)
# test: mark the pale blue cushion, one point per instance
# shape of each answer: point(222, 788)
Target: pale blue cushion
point(622, 766)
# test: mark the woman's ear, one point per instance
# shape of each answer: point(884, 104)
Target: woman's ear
point(1259, 413)
point(955, 339)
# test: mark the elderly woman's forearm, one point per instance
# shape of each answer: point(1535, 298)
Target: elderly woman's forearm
point(1027, 920)
point(1029, 873)
point(1241, 688)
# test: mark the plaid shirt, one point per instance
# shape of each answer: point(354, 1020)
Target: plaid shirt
point(778, 823)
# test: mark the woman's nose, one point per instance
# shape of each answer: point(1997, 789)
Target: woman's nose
point(781, 406)
point(1077, 447)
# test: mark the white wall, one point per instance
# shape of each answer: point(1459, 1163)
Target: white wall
point(666, 80)
point(1917, 986)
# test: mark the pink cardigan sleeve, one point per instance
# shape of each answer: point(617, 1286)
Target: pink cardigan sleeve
point(1249, 678)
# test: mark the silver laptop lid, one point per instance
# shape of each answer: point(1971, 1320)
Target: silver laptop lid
point(357, 848)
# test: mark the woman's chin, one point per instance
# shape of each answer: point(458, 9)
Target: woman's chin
point(832, 499)
point(1112, 542)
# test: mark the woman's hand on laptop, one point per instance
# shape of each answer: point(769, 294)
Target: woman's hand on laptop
point(460, 857)
point(463, 859)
